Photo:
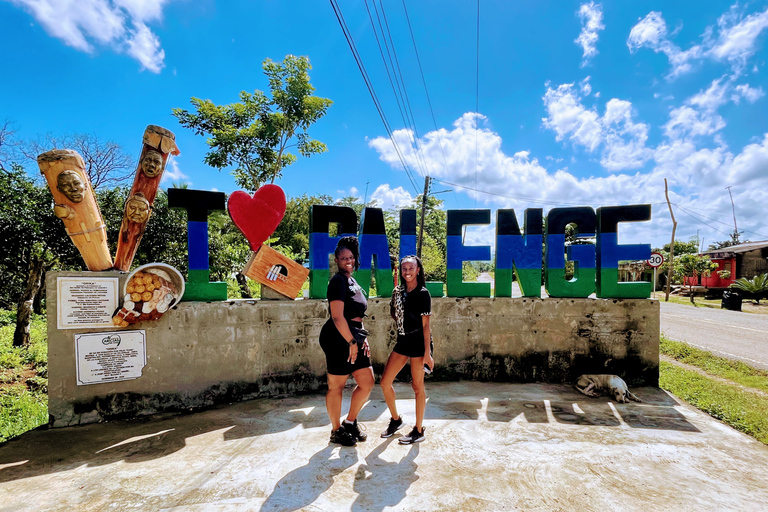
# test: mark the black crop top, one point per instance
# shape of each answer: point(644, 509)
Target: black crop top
point(417, 303)
point(346, 289)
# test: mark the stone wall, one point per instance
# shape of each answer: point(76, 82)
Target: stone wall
point(200, 354)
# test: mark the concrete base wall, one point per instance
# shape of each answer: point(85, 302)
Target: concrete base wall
point(200, 354)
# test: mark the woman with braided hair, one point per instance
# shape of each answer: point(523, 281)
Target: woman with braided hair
point(345, 343)
point(411, 307)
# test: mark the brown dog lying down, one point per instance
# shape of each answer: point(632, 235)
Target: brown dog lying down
point(612, 385)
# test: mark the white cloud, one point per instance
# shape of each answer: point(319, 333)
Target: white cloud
point(698, 115)
point(173, 174)
point(697, 177)
point(735, 41)
point(623, 140)
point(144, 46)
point(748, 93)
point(651, 32)
point(388, 198)
point(585, 87)
point(686, 121)
point(591, 16)
point(714, 97)
point(118, 24)
point(567, 116)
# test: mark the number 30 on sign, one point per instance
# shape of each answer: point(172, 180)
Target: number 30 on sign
point(655, 260)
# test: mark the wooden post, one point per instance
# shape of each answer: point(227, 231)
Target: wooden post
point(158, 144)
point(74, 202)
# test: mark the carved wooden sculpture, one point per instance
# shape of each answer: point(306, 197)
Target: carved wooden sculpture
point(159, 143)
point(75, 204)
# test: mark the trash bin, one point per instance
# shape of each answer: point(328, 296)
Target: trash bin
point(731, 301)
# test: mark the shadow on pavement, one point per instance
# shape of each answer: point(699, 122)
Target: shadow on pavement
point(380, 483)
point(41, 452)
point(305, 484)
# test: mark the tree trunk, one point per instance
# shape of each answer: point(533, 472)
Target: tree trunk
point(245, 292)
point(37, 303)
point(24, 308)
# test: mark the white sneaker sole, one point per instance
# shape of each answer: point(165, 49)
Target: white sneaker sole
point(393, 433)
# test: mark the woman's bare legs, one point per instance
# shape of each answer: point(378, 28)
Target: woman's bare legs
point(365, 382)
point(395, 363)
point(336, 385)
point(417, 383)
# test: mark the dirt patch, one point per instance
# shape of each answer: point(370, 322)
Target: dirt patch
point(13, 377)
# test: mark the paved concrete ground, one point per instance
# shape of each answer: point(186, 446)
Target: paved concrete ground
point(732, 334)
point(489, 447)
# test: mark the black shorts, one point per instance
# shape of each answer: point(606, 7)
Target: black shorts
point(411, 344)
point(337, 351)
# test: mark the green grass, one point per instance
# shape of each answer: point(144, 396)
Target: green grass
point(698, 301)
point(732, 370)
point(23, 401)
point(743, 410)
point(21, 410)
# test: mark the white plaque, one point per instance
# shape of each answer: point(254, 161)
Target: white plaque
point(86, 302)
point(110, 356)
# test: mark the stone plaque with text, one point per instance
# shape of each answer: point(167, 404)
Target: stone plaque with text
point(110, 356)
point(86, 302)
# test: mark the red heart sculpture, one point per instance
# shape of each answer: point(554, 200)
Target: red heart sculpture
point(258, 216)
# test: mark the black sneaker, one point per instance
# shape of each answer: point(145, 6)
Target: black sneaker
point(394, 426)
point(414, 437)
point(342, 437)
point(353, 429)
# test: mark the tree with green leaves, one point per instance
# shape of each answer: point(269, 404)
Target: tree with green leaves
point(688, 268)
point(34, 241)
point(689, 247)
point(293, 231)
point(255, 134)
point(433, 250)
point(734, 240)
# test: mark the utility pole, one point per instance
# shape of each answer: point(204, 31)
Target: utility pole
point(671, 262)
point(733, 208)
point(365, 200)
point(423, 214)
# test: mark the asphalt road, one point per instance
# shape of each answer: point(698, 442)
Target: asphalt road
point(731, 334)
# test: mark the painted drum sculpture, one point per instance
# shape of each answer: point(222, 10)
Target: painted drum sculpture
point(75, 204)
point(158, 144)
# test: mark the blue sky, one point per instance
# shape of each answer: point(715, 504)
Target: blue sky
point(578, 103)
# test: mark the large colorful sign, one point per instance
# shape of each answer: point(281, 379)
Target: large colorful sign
point(526, 256)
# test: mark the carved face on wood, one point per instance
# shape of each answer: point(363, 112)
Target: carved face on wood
point(152, 163)
point(71, 185)
point(137, 208)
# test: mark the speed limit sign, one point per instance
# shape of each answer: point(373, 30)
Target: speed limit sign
point(655, 260)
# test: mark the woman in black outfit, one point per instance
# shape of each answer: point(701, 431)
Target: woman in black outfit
point(345, 343)
point(411, 307)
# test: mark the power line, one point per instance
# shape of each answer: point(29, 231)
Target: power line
point(419, 150)
point(369, 86)
point(397, 90)
point(429, 101)
point(520, 198)
point(701, 221)
point(477, 91)
point(718, 221)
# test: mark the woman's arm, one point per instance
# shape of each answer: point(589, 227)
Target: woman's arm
point(337, 314)
point(428, 360)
